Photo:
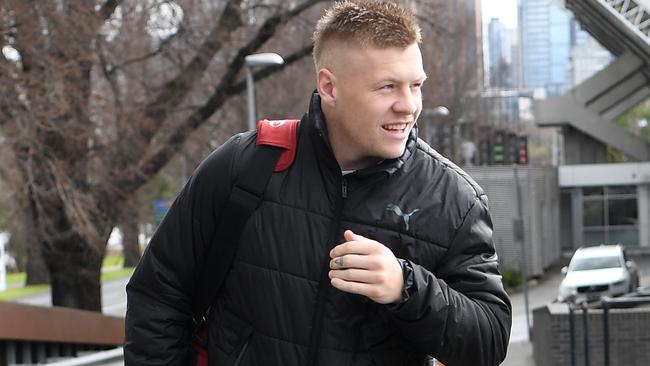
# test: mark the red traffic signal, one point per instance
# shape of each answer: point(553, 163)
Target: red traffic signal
point(522, 150)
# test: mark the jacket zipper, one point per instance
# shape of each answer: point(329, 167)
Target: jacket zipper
point(317, 319)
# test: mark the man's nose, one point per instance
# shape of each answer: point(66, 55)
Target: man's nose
point(407, 102)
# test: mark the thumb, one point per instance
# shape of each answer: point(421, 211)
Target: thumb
point(349, 235)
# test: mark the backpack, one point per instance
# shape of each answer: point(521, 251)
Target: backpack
point(275, 152)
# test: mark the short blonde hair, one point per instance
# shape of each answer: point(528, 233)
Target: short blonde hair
point(365, 23)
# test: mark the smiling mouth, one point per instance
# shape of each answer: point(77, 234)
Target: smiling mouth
point(396, 127)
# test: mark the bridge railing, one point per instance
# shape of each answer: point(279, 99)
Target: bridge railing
point(34, 334)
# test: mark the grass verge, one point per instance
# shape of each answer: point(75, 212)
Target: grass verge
point(13, 293)
point(18, 278)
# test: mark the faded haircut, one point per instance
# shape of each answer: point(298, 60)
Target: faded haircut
point(365, 23)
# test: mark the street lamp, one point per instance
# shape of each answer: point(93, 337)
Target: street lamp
point(251, 61)
point(440, 111)
point(432, 114)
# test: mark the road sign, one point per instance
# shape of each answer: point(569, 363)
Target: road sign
point(160, 208)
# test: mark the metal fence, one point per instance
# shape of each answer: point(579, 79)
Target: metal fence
point(611, 332)
point(540, 214)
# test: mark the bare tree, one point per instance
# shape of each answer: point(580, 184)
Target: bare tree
point(100, 99)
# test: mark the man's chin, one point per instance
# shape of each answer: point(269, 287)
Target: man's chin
point(394, 153)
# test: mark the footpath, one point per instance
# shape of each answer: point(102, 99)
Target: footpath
point(540, 292)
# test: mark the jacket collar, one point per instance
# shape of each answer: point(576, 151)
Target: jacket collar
point(317, 130)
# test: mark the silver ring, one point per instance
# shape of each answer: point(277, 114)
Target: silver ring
point(339, 262)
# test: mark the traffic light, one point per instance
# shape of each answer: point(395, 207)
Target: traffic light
point(522, 150)
point(498, 148)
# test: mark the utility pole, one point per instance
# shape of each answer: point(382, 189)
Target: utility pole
point(252, 61)
point(518, 225)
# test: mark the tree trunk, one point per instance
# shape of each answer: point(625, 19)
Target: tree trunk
point(36, 268)
point(75, 277)
point(73, 233)
point(130, 244)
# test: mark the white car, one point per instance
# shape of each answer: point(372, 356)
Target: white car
point(598, 271)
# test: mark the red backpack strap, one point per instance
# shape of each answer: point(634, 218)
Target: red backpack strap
point(279, 133)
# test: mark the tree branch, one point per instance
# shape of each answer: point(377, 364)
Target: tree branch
point(113, 68)
point(154, 162)
point(265, 72)
point(150, 159)
point(29, 36)
point(265, 32)
point(106, 11)
point(175, 90)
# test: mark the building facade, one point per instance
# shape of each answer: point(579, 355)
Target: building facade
point(602, 201)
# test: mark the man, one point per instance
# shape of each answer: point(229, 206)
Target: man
point(406, 234)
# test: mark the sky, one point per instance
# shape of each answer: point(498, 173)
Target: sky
point(505, 10)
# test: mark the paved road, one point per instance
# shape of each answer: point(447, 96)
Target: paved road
point(113, 298)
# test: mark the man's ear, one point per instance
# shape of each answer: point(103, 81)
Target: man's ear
point(325, 84)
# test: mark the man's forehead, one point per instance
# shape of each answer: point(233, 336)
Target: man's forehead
point(343, 54)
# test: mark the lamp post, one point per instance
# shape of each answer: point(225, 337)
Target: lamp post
point(252, 61)
point(440, 110)
point(432, 114)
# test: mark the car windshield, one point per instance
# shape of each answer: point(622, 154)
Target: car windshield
point(586, 264)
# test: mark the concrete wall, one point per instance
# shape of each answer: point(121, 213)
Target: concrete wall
point(540, 207)
point(628, 334)
point(580, 148)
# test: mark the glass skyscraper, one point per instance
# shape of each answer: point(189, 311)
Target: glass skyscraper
point(546, 41)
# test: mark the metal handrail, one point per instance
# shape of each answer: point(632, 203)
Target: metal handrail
point(98, 358)
point(606, 303)
point(617, 303)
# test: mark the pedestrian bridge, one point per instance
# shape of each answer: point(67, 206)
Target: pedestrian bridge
point(588, 110)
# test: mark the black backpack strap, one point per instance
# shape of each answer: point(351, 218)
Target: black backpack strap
point(245, 197)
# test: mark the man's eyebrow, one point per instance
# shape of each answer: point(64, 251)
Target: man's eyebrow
point(392, 79)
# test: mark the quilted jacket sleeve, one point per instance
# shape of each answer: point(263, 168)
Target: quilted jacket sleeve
point(462, 314)
point(159, 305)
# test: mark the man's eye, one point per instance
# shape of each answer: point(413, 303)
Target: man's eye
point(388, 87)
point(416, 85)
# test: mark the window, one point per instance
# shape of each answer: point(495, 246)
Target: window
point(622, 211)
point(610, 215)
point(594, 213)
point(589, 263)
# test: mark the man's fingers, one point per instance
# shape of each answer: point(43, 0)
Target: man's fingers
point(364, 246)
point(355, 275)
point(352, 261)
point(349, 235)
point(352, 287)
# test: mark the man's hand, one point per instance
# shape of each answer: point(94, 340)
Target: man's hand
point(366, 267)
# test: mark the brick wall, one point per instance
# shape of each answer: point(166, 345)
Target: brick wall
point(629, 336)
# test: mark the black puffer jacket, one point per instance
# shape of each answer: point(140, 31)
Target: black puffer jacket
point(457, 309)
